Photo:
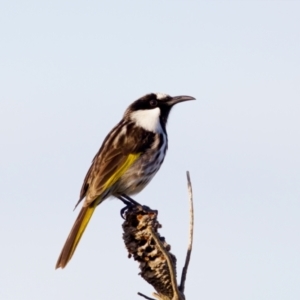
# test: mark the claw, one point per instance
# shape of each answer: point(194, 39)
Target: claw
point(122, 212)
point(129, 202)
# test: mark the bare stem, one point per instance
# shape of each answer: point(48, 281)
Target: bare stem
point(191, 233)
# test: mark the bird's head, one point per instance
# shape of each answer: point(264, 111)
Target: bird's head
point(152, 110)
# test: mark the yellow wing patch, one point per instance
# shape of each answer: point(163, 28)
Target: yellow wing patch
point(131, 158)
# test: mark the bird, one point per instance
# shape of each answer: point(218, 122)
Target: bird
point(130, 156)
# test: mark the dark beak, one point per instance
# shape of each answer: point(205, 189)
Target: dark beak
point(178, 99)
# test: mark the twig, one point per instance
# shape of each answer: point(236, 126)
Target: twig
point(191, 232)
point(146, 297)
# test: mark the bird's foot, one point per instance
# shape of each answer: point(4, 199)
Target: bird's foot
point(129, 203)
point(123, 211)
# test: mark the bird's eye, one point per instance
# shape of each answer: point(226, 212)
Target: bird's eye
point(153, 102)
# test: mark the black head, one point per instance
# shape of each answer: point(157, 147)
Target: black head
point(150, 103)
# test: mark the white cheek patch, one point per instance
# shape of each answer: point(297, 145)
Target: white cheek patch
point(148, 119)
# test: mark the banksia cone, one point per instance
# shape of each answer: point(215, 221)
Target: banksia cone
point(139, 227)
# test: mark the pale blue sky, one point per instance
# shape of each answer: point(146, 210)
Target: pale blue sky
point(69, 69)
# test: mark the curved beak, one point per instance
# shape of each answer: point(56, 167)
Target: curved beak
point(178, 99)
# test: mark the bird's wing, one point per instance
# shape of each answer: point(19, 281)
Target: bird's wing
point(107, 171)
point(117, 153)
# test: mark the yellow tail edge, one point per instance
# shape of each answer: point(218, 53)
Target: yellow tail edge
point(75, 235)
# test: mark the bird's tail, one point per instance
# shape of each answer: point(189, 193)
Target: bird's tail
point(73, 239)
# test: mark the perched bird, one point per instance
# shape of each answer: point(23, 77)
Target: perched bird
point(128, 159)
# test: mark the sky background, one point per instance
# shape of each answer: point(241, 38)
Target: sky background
point(69, 69)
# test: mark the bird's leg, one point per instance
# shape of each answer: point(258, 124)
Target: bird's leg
point(129, 202)
point(124, 200)
point(124, 196)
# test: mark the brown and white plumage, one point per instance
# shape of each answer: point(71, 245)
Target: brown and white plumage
point(129, 157)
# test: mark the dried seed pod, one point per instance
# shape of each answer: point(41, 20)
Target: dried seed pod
point(139, 226)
